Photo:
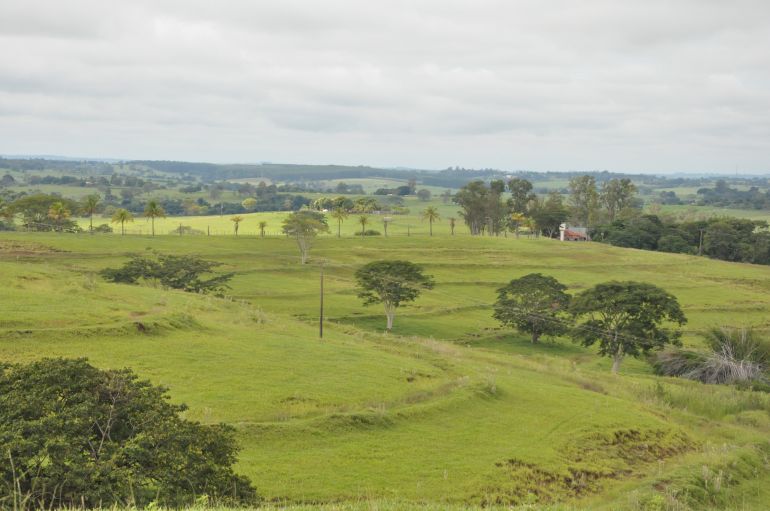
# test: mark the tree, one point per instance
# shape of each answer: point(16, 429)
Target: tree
point(431, 215)
point(173, 272)
point(533, 304)
point(549, 214)
point(452, 223)
point(236, 220)
point(584, 199)
point(617, 195)
point(262, 226)
point(516, 219)
point(339, 214)
point(391, 283)
point(152, 211)
point(521, 194)
point(626, 318)
point(249, 204)
point(304, 226)
point(424, 194)
point(121, 216)
point(73, 435)
point(90, 206)
point(59, 213)
point(364, 221)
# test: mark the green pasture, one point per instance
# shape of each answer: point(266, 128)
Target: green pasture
point(449, 409)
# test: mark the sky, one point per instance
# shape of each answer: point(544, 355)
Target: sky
point(654, 86)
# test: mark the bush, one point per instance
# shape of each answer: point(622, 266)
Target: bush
point(733, 357)
point(103, 228)
point(369, 232)
point(175, 272)
point(80, 436)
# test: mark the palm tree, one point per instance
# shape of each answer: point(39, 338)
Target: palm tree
point(385, 221)
point(236, 220)
point(262, 226)
point(90, 205)
point(152, 211)
point(339, 214)
point(122, 216)
point(364, 221)
point(431, 215)
point(58, 212)
point(452, 222)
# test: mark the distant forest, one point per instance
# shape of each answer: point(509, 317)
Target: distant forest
point(452, 177)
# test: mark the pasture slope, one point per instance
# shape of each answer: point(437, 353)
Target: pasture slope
point(448, 409)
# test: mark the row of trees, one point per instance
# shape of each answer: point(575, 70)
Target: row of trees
point(622, 318)
point(728, 239)
point(488, 209)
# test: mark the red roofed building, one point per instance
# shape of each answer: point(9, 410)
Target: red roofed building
point(573, 233)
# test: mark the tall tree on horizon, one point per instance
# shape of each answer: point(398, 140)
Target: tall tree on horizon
point(152, 211)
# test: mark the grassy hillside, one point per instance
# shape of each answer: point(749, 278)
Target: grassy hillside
point(448, 408)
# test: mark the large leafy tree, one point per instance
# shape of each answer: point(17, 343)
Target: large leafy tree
point(121, 216)
point(391, 283)
point(584, 199)
point(72, 435)
point(90, 207)
point(549, 213)
point(533, 304)
point(153, 210)
point(185, 272)
point(304, 226)
point(521, 194)
point(626, 318)
point(617, 195)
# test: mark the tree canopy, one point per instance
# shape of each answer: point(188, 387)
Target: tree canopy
point(533, 304)
point(73, 435)
point(304, 226)
point(391, 283)
point(626, 318)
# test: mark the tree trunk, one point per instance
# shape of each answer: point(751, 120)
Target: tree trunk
point(616, 359)
point(431, 227)
point(390, 313)
point(339, 228)
point(535, 336)
point(91, 226)
point(153, 226)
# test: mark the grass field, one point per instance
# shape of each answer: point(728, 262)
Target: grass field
point(448, 409)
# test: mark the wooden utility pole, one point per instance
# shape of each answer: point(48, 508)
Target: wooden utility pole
point(321, 317)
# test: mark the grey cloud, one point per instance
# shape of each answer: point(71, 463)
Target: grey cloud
point(649, 86)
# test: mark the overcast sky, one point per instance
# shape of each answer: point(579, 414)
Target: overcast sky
point(627, 85)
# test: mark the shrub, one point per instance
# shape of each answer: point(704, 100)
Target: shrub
point(74, 435)
point(103, 228)
point(369, 232)
point(733, 357)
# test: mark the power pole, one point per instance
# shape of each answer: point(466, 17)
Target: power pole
point(321, 317)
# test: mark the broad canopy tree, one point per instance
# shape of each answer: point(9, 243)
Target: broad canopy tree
point(391, 283)
point(72, 435)
point(304, 226)
point(534, 304)
point(626, 318)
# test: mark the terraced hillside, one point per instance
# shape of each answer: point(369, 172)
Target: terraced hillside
point(447, 408)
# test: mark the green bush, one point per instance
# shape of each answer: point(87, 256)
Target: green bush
point(75, 435)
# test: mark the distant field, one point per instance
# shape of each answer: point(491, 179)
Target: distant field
point(447, 408)
point(400, 225)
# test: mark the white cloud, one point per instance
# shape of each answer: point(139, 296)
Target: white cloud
point(566, 84)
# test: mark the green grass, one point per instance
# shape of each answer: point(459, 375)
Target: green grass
point(433, 413)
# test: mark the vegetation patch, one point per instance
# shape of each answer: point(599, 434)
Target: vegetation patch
point(596, 458)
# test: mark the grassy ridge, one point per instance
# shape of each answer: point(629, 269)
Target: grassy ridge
point(449, 408)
